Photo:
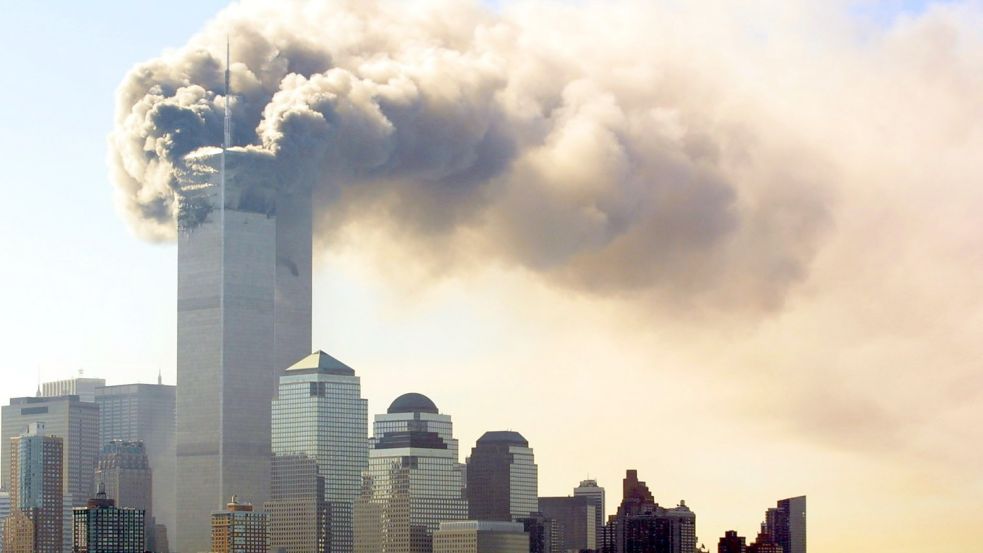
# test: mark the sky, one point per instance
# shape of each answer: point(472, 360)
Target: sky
point(857, 383)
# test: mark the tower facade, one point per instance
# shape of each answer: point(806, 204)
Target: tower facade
point(502, 478)
point(320, 448)
point(575, 519)
point(244, 304)
point(414, 480)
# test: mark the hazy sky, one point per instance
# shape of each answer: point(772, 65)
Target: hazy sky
point(860, 386)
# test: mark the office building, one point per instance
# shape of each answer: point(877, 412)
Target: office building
point(594, 494)
point(103, 527)
point(480, 536)
point(244, 314)
point(238, 529)
point(320, 441)
point(76, 422)
point(502, 478)
point(123, 472)
point(145, 413)
point(786, 524)
point(642, 525)
point(575, 519)
point(414, 480)
point(36, 489)
point(731, 543)
point(84, 388)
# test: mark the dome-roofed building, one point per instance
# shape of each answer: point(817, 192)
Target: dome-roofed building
point(414, 480)
point(412, 403)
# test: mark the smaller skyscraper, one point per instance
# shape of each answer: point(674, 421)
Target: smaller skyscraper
point(36, 489)
point(102, 527)
point(18, 535)
point(502, 478)
point(731, 543)
point(544, 535)
point(595, 494)
point(124, 473)
point(238, 529)
point(479, 536)
point(641, 524)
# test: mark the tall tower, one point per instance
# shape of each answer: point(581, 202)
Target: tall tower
point(320, 448)
point(244, 295)
point(502, 478)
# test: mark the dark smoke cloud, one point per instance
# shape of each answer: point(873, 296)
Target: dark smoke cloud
point(604, 164)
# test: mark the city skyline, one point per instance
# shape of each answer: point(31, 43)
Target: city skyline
point(824, 391)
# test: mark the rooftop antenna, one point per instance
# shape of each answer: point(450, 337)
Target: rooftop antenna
point(160, 379)
point(39, 381)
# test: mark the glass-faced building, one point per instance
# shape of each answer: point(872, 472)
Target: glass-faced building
point(414, 480)
point(481, 536)
point(102, 527)
point(320, 441)
point(502, 478)
point(36, 490)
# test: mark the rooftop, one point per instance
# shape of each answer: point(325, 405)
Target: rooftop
point(412, 403)
point(320, 362)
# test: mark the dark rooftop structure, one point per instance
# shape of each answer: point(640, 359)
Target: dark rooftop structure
point(412, 403)
point(503, 437)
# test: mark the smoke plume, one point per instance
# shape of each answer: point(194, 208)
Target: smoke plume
point(589, 145)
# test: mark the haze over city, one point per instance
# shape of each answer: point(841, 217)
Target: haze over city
point(736, 247)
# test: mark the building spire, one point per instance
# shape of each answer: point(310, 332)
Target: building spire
point(227, 138)
point(160, 378)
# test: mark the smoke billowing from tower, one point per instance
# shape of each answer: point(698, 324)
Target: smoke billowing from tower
point(602, 165)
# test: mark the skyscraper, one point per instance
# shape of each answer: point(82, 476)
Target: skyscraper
point(238, 529)
point(414, 480)
point(244, 313)
point(765, 543)
point(575, 519)
point(786, 524)
point(76, 422)
point(103, 527)
point(320, 440)
point(502, 478)
point(481, 536)
point(36, 489)
point(144, 413)
point(594, 494)
point(123, 473)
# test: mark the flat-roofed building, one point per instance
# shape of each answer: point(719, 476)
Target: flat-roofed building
point(481, 536)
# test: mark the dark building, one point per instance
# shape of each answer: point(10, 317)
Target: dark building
point(764, 543)
point(102, 527)
point(502, 478)
point(543, 533)
point(642, 526)
point(787, 524)
point(731, 543)
point(595, 493)
point(575, 519)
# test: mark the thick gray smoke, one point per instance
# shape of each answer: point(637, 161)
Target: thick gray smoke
point(571, 141)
